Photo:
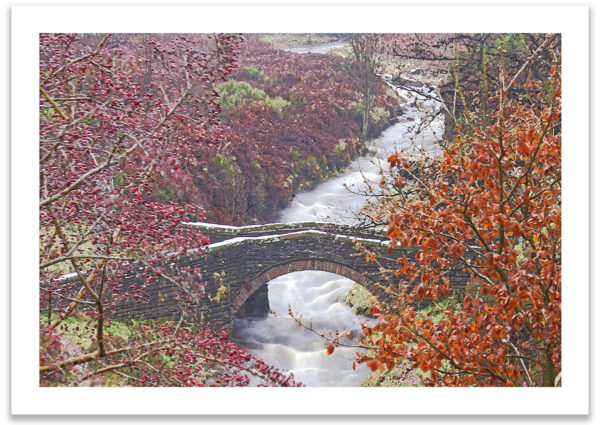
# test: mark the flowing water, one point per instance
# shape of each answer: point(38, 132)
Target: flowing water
point(318, 296)
point(321, 48)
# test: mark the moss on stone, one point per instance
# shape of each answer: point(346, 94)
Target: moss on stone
point(360, 300)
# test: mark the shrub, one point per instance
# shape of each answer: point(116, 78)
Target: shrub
point(233, 94)
point(254, 74)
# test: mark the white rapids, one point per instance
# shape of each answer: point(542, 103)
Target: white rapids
point(318, 296)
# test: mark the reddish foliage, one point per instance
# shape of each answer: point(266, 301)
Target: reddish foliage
point(117, 116)
point(266, 148)
point(491, 206)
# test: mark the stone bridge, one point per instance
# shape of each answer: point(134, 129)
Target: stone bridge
point(240, 261)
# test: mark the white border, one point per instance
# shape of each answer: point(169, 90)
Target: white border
point(28, 398)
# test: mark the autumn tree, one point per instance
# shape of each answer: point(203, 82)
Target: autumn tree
point(490, 206)
point(365, 48)
point(120, 116)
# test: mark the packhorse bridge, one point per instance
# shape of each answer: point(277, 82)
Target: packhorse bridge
point(240, 261)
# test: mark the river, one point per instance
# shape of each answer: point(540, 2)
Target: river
point(318, 296)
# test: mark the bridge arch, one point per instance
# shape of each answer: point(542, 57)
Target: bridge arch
point(251, 286)
point(241, 260)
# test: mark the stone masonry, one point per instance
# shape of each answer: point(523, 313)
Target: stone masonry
point(240, 261)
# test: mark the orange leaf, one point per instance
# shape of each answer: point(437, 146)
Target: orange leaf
point(373, 365)
point(457, 250)
point(374, 309)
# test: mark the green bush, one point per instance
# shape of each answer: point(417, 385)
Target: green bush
point(256, 75)
point(233, 94)
point(358, 107)
point(278, 104)
point(340, 147)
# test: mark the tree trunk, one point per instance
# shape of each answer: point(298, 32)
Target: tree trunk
point(484, 86)
point(548, 365)
point(366, 111)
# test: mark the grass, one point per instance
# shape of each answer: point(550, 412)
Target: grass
point(437, 311)
point(294, 40)
point(79, 330)
point(400, 376)
point(72, 234)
